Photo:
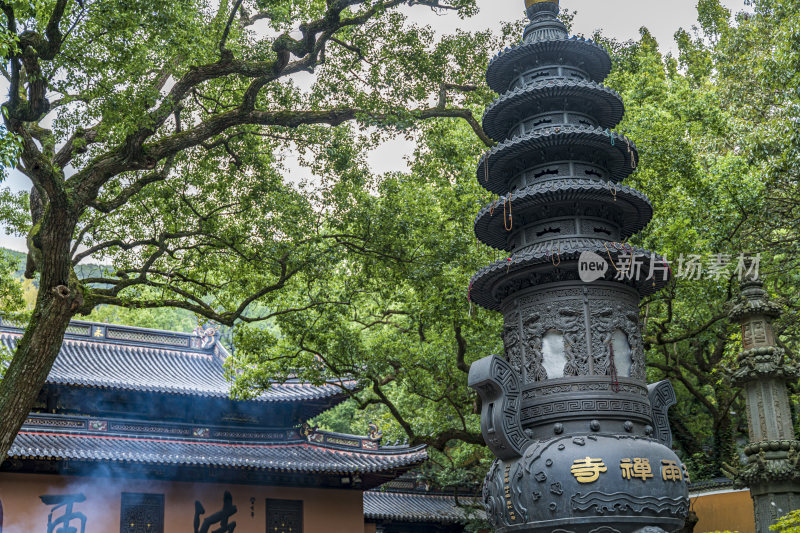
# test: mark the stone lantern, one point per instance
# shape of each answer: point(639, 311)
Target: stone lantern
point(583, 444)
point(773, 454)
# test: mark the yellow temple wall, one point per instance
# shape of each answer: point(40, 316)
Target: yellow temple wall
point(324, 510)
point(724, 511)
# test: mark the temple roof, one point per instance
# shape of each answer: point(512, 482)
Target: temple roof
point(82, 442)
point(124, 358)
point(699, 488)
point(418, 507)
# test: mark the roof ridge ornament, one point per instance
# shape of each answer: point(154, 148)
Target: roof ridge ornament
point(208, 336)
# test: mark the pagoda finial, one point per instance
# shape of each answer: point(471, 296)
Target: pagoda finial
point(545, 24)
point(536, 6)
point(533, 5)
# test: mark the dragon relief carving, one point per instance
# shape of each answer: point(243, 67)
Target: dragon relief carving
point(519, 495)
point(602, 338)
point(567, 321)
point(513, 347)
point(493, 503)
point(570, 323)
point(631, 328)
point(607, 320)
point(534, 358)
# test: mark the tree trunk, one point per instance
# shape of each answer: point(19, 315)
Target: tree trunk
point(724, 449)
point(60, 296)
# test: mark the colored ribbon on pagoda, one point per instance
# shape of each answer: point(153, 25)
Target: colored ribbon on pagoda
point(613, 191)
point(631, 154)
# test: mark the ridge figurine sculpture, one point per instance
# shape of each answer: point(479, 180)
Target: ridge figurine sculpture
point(583, 444)
point(772, 469)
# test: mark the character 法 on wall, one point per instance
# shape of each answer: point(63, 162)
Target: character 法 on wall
point(221, 517)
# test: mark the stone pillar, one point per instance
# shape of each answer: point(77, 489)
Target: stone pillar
point(583, 444)
point(771, 468)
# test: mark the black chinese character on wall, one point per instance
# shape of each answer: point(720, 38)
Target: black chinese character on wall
point(62, 517)
point(142, 513)
point(284, 516)
point(221, 517)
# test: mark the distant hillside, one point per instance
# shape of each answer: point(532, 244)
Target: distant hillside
point(83, 270)
point(19, 257)
point(163, 318)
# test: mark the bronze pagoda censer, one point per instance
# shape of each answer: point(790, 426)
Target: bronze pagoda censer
point(583, 444)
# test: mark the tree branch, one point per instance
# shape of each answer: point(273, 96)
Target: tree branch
point(659, 340)
point(129, 192)
point(222, 50)
point(461, 351)
point(677, 374)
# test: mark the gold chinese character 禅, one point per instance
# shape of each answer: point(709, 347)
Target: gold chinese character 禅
point(588, 470)
point(638, 468)
point(670, 471)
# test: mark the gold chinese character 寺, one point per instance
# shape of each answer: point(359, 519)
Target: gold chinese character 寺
point(686, 474)
point(639, 468)
point(588, 470)
point(670, 471)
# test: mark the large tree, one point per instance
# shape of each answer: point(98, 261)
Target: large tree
point(154, 134)
point(707, 137)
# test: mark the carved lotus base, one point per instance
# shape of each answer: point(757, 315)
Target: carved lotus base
point(770, 463)
point(764, 362)
point(589, 484)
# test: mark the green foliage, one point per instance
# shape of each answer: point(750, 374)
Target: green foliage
point(155, 135)
point(402, 310)
point(10, 144)
point(168, 319)
point(788, 524)
point(13, 308)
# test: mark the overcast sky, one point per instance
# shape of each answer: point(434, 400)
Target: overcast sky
point(616, 18)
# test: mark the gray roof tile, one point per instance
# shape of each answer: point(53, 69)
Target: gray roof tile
point(416, 507)
point(297, 456)
point(134, 359)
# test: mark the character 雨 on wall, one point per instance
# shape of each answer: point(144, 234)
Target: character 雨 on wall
point(63, 503)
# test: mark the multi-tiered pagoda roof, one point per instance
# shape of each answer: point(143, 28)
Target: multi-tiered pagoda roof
point(557, 166)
